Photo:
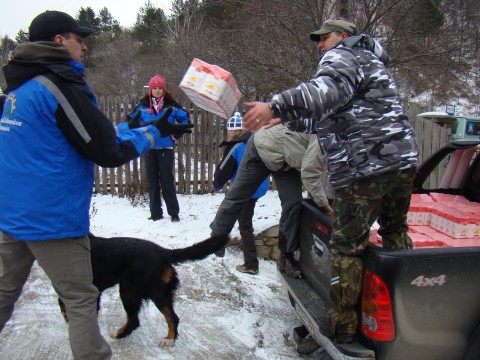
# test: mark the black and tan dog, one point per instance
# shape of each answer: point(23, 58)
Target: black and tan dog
point(144, 271)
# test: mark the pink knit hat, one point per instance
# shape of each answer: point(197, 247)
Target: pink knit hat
point(156, 81)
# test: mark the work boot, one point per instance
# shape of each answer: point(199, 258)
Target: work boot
point(287, 264)
point(156, 218)
point(220, 253)
point(244, 269)
point(345, 338)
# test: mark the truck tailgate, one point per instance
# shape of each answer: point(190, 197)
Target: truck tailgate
point(310, 296)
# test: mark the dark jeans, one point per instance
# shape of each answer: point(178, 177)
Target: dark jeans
point(250, 175)
point(245, 225)
point(161, 181)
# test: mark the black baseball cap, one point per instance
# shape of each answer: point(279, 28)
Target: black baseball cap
point(50, 23)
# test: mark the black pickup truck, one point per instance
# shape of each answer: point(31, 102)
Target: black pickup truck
point(416, 304)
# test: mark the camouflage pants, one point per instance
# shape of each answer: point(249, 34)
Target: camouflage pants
point(385, 198)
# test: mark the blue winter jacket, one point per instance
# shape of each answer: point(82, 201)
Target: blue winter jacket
point(51, 134)
point(227, 169)
point(178, 115)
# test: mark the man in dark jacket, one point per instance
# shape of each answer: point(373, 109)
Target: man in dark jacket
point(353, 105)
point(51, 134)
point(226, 171)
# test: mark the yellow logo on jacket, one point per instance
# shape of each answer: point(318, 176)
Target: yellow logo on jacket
point(12, 100)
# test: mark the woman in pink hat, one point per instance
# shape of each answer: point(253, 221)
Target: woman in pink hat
point(160, 160)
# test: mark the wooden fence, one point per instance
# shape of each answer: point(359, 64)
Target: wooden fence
point(198, 153)
point(431, 137)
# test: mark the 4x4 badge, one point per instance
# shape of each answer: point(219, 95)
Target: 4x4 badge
point(422, 281)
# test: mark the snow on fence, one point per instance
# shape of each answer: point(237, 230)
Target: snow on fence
point(198, 153)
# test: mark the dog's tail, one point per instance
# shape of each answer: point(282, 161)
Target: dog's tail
point(200, 250)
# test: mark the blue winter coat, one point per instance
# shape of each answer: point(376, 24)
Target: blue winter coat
point(178, 115)
point(227, 169)
point(51, 134)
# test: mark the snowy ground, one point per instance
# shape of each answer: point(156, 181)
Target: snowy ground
point(223, 314)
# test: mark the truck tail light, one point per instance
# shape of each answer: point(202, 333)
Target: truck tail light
point(377, 314)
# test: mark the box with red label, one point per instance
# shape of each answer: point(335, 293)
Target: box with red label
point(211, 88)
point(423, 241)
point(439, 197)
point(430, 232)
point(421, 198)
point(419, 213)
point(426, 236)
point(454, 222)
point(471, 208)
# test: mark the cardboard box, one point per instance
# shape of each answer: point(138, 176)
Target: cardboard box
point(439, 197)
point(454, 222)
point(452, 215)
point(211, 88)
point(419, 213)
point(423, 241)
point(421, 198)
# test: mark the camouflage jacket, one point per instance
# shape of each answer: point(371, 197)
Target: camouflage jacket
point(353, 105)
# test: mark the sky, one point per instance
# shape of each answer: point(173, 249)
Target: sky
point(17, 15)
point(224, 314)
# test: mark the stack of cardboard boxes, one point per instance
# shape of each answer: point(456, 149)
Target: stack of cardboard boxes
point(440, 220)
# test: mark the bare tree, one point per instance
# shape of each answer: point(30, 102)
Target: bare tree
point(433, 44)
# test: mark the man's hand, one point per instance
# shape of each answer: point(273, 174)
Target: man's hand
point(259, 114)
point(327, 209)
point(273, 122)
point(135, 122)
point(167, 129)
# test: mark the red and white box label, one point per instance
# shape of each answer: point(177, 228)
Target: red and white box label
point(211, 88)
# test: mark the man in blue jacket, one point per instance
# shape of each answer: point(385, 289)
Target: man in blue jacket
point(51, 134)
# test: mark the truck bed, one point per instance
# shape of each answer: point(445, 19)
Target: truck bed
point(421, 303)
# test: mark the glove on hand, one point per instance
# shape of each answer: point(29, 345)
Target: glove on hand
point(167, 129)
point(177, 136)
point(135, 122)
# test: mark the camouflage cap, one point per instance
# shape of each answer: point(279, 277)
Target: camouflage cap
point(339, 24)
